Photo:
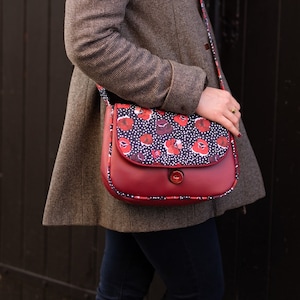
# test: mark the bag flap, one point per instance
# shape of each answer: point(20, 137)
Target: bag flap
point(158, 138)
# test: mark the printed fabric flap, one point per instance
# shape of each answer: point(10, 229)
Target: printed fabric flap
point(156, 138)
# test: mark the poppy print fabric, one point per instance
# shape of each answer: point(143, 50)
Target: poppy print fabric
point(159, 138)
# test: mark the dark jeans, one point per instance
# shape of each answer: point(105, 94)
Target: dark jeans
point(188, 260)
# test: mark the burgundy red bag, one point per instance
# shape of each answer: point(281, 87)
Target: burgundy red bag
point(153, 157)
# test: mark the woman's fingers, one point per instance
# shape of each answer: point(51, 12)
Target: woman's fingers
point(231, 124)
point(234, 118)
point(219, 106)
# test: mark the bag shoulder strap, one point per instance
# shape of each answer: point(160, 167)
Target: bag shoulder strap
point(212, 44)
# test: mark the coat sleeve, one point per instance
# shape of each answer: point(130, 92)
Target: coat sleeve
point(94, 43)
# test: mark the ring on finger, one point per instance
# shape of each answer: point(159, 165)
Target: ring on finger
point(233, 110)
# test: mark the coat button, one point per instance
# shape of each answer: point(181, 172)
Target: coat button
point(176, 176)
point(207, 46)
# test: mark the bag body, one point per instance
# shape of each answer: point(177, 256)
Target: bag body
point(153, 157)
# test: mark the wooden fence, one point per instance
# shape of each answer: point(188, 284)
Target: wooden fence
point(260, 55)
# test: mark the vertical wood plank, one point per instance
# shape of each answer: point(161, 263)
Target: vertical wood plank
point(35, 151)
point(12, 139)
point(10, 289)
point(259, 94)
point(12, 126)
point(234, 22)
point(285, 249)
point(57, 258)
point(1, 119)
point(228, 229)
point(84, 257)
point(58, 240)
point(251, 68)
point(35, 129)
point(232, 45)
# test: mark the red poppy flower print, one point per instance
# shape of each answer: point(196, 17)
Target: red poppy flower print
point(202, 124)
point(155, 153)
point(125, 123)
point(201, 147)
point(222, 142)
point(138, 157)
point(161, 112)
point(173, 146)
point(146, 139)
point(143, 113)
point(163, 127)
point(182, 120)
point(124, 145)
point(123, 105)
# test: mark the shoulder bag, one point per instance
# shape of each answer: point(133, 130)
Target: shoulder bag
point(154, 157)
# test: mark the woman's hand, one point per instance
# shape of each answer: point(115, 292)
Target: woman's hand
point(219, 106)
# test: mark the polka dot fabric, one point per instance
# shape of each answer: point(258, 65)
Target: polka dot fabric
point(158, 138)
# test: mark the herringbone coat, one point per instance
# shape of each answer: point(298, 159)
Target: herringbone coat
point(155, 54)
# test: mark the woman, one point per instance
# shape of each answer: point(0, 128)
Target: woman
point(156, 54)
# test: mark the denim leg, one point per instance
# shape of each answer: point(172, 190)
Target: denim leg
point(125, 272)
point(188, 260)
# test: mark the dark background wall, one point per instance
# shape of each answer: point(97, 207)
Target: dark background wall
point(259, 43)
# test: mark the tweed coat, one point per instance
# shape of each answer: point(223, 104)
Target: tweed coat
point(153, 53)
